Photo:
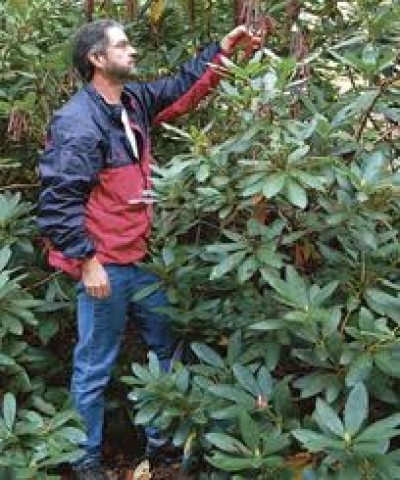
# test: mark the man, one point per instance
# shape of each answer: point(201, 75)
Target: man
point(95, 208)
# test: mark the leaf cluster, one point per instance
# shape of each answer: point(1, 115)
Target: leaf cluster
point(278, 222)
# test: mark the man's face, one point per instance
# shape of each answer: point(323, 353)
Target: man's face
point(119, 57)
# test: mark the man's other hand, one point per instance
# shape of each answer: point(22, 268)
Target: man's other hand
point(95, 278)
point(240, 36)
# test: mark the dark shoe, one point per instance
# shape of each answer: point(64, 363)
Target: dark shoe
point(164, 455)
point(93, 472)
point(168, 455)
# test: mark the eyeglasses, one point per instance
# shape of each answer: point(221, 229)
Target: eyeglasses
point(122, 44)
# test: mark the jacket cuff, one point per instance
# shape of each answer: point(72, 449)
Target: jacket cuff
point(80, 251)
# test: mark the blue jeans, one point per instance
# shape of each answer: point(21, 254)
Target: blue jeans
point(101, 324)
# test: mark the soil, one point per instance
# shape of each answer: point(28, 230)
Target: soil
point(123, 473)
point(122, 465)
point(124, 448)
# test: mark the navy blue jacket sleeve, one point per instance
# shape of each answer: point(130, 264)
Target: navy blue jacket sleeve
point(68, 171)
point(171, 96)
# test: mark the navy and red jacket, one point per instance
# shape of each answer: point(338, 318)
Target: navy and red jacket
point(93, 189)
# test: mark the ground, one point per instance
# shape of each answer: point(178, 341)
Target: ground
point(124, 473)
point(123, 442)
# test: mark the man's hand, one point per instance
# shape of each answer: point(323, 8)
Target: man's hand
point(95, 278)
point(240, 36)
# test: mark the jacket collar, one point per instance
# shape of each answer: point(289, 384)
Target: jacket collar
point(113, 112)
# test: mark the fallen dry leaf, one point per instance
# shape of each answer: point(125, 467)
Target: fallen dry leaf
point(141, 472)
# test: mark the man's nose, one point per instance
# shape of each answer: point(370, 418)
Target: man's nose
point(133, 52)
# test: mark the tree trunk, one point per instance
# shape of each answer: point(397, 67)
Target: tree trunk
point(238, 8)
point(191, 14)
point(132, 9)
point(89, 8)
point(209, 12)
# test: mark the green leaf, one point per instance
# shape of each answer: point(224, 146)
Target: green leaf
point(328, 417)
point(249, 431)
point(377, 447)
point(268, 256)
point(296, 194)
point(226, 443)
point(227, 413)
point(30, 50)
point(9, 410)
point(246, 379)
point(73, 435)
point(48, 327)
point(362, 103)
point(311, 181)
point(6, 361)
point(146, 291)
point(370, 55)
point(274, 441)
point(203, 172)
point(322, 294)
point(268, 325)
point(265, 382)
point(183, 380)
point(373, 165)
point(63, 417)
point(67, 458)
point(43, 406)
point(207, 355)
point(233, 394)
point(293, 292)
point(274, 184)
point(182, 433)
point(168, 256)
point(385, 428)
point(5, 255)
point(272, 354)
point(247, 269)
point(312, 384)
point(388, 362)
point(229, 88)
point(359, 370)
point(228, 264)
point(356, 409)
point(142, 373)
point(230, 463)
point(383, 303)
point(349, 472)
point(298, 154)
point(154, 365)
point(235, 346)
point(147, 413)
point(316, 442)
point(297, 286)
point(282, 398)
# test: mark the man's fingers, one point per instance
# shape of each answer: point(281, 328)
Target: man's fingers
point(99, 291)
point(95, 279)
point(104, 291)
point(107, 290)
point(93, 291)
point(241, 29)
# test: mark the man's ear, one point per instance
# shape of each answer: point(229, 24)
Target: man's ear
point(96, 59)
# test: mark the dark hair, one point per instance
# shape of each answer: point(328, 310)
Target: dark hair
point(91, 38)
